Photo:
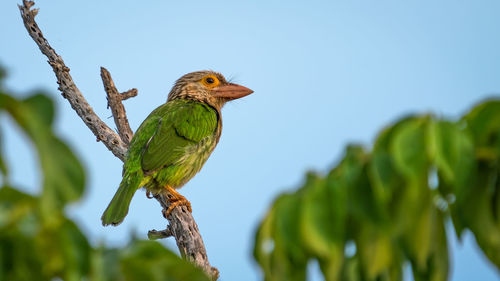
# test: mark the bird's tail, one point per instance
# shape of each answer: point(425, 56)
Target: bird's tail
point(118, 207)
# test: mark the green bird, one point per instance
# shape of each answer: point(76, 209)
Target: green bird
point(174, 141)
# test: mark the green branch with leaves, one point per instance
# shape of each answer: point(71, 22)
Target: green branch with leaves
point(392, 203)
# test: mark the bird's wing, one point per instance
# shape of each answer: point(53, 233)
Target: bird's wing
point(183, 123)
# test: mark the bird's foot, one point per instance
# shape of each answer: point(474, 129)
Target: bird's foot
point(175, 199)
point(148, 194)
point(174, 203)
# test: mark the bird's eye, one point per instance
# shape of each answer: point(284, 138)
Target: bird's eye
point(210, 81)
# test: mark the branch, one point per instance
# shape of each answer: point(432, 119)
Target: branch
point(181, 223)
point(117, 108)
point(68, 87)
point(187, 236)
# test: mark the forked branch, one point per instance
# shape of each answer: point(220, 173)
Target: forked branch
point(68, 88)
point(181, 226)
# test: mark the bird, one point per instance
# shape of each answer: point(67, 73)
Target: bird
point(173, 143)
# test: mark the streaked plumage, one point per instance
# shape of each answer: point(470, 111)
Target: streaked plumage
point(175, 140)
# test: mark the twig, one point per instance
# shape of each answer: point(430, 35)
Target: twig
point(181, 223)
point(160, 234)
point(117, 108)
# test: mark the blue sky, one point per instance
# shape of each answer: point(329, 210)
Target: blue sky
point(325, 73)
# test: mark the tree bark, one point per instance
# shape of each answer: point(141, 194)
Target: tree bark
point(182, 225)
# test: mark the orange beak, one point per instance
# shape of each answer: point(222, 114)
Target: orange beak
point(231, 91)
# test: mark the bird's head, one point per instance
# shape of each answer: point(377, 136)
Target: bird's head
point(207, 86)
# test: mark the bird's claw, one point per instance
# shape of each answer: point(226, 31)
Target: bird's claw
point(148, 195)
point(174, 202)
point(175, 199)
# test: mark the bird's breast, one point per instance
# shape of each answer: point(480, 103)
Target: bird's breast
point(193, 159)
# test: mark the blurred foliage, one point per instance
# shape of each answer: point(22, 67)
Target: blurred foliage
point(37, 240)
point(381, 209)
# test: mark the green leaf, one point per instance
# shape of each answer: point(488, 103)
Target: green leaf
point(278, 247)
point(17, 211)
point(264, 244)
point(322, 222)
point(425, 242)
point(484, 123)
point(418, 234)
point(409, 148)
point(383, 175)
point(478, 207)
point(479, 210)
point(66, 250)
point(290, 257)
point(4, 171)
point(43, 106)
point(63, 174)
point(287, 232)
point(378, 253)
point(105, 265)
point(435, 266)
point(149, 260)
point(351, 270)
point(454, 155)
point(19, 256)
point(76, 251)
point(362, 203)
point(64, 178)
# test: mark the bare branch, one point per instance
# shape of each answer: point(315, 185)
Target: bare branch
point(129, 94)
point(181, 223)
point(117, 108)
point(160, 234)
point(68, 87)
point(187, 236)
